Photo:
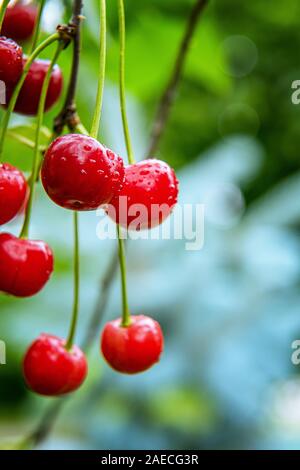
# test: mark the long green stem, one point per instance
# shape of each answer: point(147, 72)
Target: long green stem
point(2, 11)
point(77, 9)
point(13, 100)
point(35, 162)
point(122, 258)
point(37, 25)
point(102, 65)
point(122, 28)
point(73, 325)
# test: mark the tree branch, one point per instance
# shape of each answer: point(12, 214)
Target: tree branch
point(169, 94)
point(48, 419)
point(44, 427)
point(68, 115)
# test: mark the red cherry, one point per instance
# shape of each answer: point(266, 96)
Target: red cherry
point(25, 265)
point(81, 174)
point(29, 97)
point(24, 206)
point(11, 61)
point(19, 21)
point(13, 190)
point(149, 185)
point(49, 369)
point(132, 349)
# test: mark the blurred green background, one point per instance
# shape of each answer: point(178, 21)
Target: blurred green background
point(230, 311)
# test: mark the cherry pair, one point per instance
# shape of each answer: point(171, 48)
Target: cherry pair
point(30, 93)
point(19, 22)
point(78, 173)
point(52, 370)
point(11, 68)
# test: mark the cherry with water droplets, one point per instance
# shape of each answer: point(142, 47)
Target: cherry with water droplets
point(11, 61)
point(13, 192)
point(23, 209)
point(79, 173)
point(134, 348)
point(50, 369)
point(25, 265)
point(148, 196)
point(29, 97)
point(19, 21)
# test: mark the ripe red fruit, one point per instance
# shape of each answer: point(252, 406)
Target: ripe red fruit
point(24, 206)
point(25, 265)
point(49, 369)
point(11, 61)
point(149, 193)
point(79, 173)
point(13, 190)
point(29, 97)
point(132, 349)
point(19, 21)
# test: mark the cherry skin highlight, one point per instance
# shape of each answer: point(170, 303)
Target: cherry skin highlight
point(19, 21)
point(11, 61)
point(25, 265)
point(50, 370)
point(135, 348)
point(149, 194)
point(13, 191)
point(79, 173)
point(29, 97)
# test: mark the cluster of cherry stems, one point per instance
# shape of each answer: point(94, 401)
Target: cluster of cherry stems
point(80, 174)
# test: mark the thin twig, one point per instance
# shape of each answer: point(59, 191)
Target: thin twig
point(47, 422)
point(44, 427)
point(167, 98)
point(68, 115)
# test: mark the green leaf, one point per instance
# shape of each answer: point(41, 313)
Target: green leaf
point(206, 62)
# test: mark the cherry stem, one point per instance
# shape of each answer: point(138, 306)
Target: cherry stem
point(102, 65)
point(80, 129)
point(126, 321)
point(40, 117)
point(122, 258)
point(3, 11)
point(74, 319)
point(122, 28)
point(13, 100)
point(37, 27)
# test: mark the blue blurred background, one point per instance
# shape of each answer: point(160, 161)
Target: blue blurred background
point(231, 311)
